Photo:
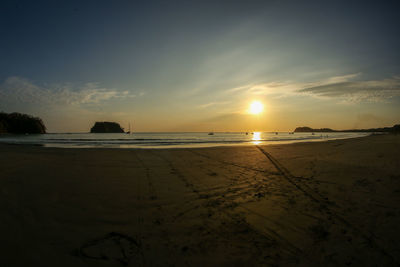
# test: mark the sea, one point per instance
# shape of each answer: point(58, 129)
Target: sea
point(170, 140)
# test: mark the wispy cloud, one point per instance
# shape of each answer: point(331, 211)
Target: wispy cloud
point(17, 90)
point(357, 91)
point(207, 105)
point(340, 87)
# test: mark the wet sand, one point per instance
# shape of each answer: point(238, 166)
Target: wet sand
point(330, 203)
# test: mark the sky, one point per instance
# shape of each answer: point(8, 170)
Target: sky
point(198, 65)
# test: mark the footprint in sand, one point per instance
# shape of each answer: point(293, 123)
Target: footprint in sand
point(113, 247)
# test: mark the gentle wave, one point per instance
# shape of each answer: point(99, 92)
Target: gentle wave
point(168, 139)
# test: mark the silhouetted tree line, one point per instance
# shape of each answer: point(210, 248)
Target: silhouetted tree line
point(18, 123)
point(308, 129)
point(394, 129)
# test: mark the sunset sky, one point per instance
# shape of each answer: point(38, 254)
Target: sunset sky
point(198, 65)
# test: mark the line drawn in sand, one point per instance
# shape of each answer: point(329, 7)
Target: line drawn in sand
point(112, 247)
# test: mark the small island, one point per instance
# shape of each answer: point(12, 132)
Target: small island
point(306, 129)
point(106, 127)
point(18, 123)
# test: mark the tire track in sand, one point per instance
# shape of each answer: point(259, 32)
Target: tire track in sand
point(325, 205)
point(268, 233)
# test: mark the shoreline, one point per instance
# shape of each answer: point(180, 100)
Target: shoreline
point(204, 144)
point(315, 203)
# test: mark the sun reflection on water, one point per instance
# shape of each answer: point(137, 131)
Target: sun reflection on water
point(256, 140)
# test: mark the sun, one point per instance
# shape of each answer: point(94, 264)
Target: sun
point(256, 107)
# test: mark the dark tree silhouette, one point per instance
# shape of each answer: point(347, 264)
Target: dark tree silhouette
point(19, 123)
point(394, 129)
point(308, 129)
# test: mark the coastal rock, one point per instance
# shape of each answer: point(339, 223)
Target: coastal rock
point(106, 127)
point(396, 128)
point(308, 129)
point(3, 127)
point(18, 123)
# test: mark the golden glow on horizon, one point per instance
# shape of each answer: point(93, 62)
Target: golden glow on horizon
point(256, 107)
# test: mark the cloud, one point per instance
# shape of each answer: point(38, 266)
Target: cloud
point(20, 91)
point(357, 91)
point(336, 87)
point(207, 105)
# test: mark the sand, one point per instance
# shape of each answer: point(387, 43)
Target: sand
point(332, 203)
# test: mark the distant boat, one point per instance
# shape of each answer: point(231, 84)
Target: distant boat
point(247, 133)
point(276, 133)
point(129, 131)
point(210, 133)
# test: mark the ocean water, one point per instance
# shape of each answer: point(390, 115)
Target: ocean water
point(169, 140)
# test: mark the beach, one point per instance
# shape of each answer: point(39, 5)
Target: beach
point(333, 203)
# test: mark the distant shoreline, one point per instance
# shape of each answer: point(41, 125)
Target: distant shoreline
point(216, 132)
point(305, 129)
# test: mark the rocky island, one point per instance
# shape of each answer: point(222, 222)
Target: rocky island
point(18, 123)
point(308, 130)
point(106, 127)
